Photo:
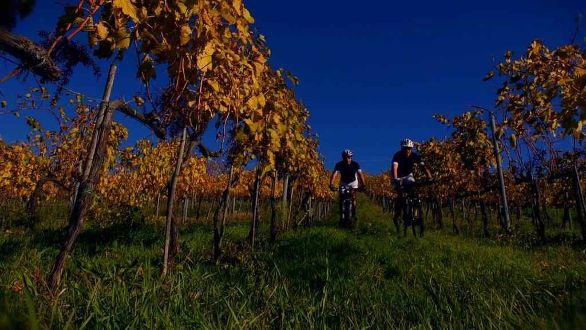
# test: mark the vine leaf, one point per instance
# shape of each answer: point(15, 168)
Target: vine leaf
point(127, 8)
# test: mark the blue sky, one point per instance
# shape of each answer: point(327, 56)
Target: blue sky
point(372, 72)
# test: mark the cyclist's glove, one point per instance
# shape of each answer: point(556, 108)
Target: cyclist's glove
point(333, 188)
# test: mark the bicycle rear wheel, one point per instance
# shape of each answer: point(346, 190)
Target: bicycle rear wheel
point(418, 220)
point(347, 213)
point(407, 217)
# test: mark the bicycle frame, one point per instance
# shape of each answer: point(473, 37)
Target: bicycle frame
point(412, 209)
point(413, 214)
point(347, 209)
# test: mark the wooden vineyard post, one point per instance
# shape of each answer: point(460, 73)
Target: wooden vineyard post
point(579, 195)
point(503, 192)
point(171, 198)
point(91, 174)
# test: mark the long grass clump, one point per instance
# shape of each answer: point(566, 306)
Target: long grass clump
point(319, 277)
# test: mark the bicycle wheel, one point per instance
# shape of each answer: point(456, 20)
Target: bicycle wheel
point(407, 216)
point(347, 212)
point(417, 216)
point(418, 220)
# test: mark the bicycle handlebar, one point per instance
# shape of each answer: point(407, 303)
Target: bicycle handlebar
point(350, 188)
point(416, 184)
point(424, 183)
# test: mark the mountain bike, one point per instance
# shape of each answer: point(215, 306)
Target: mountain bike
point(347, 206)
point(412, 208)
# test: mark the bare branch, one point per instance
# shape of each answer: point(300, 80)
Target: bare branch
point(206, 152)
point(32, 56)
point(149, 119)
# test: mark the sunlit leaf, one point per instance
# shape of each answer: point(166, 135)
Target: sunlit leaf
point(185, 35)
point(247, 16)
point(204, 59)
point(127, 7)
point(214, 84)
point(102, 30)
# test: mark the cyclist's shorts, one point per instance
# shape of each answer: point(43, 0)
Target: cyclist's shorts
point(408, 178)
point(353, 184)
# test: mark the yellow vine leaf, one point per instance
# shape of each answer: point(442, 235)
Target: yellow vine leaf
point(185, 35)
point(252, 102)
point(228, 17)
point(252, 125)
point(127, 7)
point(182, 8)
point(275, 139)
point(247, 16)
point(204, 59)
point(262, 100)
point(102, 30)
point(122, 39)
point(237, 4)
point(214, 84)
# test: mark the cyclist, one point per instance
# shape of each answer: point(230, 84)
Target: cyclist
point(403, 164)
point(350, 175)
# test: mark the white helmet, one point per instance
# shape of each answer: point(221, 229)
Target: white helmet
point(407, 143)
point(347, 153)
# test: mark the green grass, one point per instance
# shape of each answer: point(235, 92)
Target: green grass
point(314, 278)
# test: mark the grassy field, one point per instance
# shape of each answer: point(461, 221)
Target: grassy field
point(314, 278)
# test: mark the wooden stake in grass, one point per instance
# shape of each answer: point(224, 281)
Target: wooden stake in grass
point(255, 208)
point(170, 200)
point(222, 210)
point(274, 227)
point(580, 207)
point(91, 175)
point(506, 218)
